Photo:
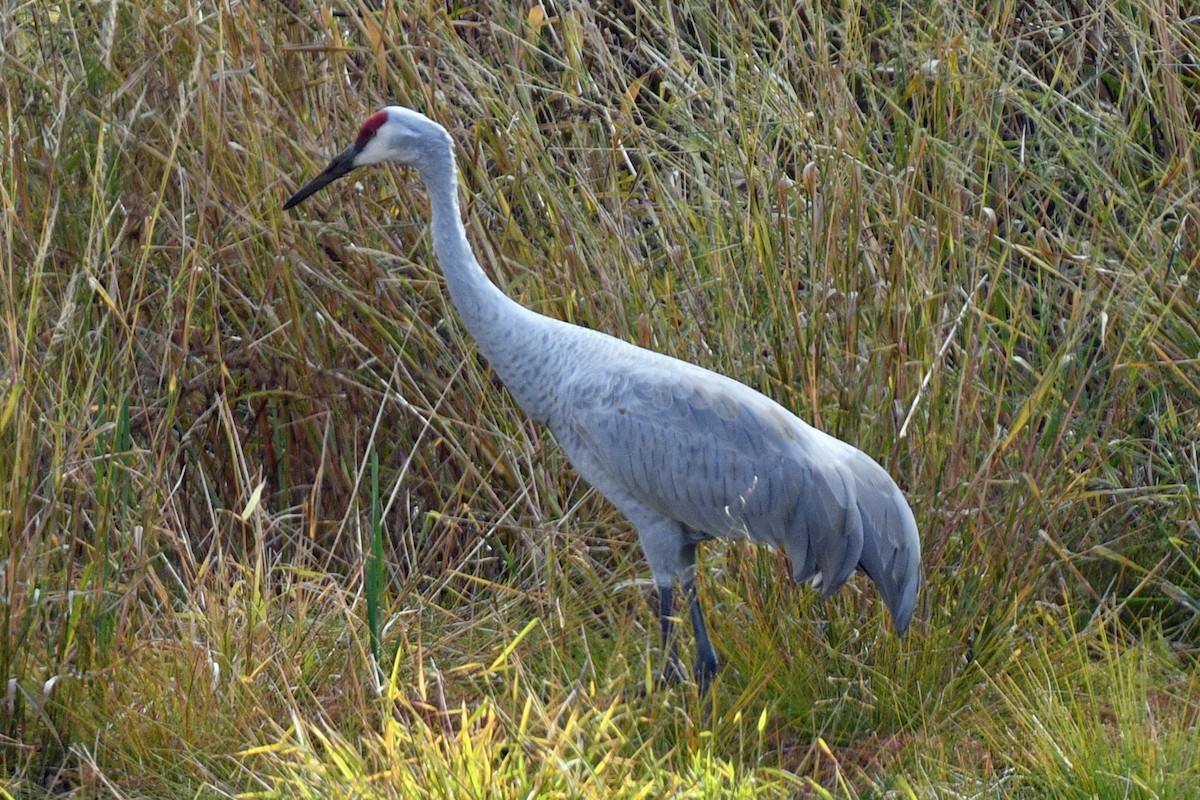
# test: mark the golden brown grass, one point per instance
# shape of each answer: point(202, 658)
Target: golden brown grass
point(964, 239)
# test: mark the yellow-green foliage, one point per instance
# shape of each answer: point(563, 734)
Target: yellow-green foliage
point(962, 236)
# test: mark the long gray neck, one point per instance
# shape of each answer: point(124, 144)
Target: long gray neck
point(482, 306)
point(512, 338)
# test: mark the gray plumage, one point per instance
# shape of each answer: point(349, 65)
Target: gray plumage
point(684, 453)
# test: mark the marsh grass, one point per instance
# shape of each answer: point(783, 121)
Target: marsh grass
point(272, 529)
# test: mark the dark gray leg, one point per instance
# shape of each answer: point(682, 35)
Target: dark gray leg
point(706, 657)
point(672, 672)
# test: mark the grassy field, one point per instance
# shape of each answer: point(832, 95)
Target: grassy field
point(269, 528)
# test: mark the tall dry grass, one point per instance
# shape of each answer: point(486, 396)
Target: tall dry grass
point(964, 239)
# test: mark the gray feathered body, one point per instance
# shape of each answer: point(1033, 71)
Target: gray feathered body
point(688, 454)
point(684, 453)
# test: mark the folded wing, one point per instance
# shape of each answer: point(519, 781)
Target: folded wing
point(726, 461)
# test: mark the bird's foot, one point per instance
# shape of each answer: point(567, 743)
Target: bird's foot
point(705, 670)
point(672, 672)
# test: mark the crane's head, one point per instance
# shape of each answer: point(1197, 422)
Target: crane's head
point(395, 134)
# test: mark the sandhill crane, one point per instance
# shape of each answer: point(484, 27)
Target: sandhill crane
point(685, 454)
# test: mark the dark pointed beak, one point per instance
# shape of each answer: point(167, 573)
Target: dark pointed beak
point(342, 163)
